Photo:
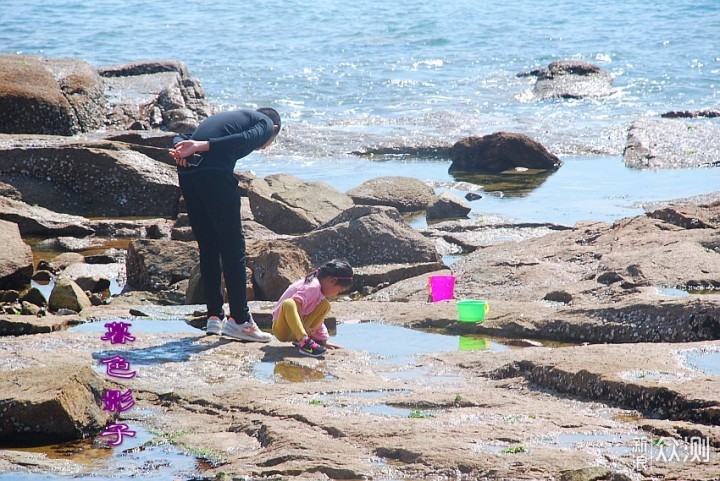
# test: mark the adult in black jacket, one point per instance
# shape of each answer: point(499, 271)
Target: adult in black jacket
point(206, 160)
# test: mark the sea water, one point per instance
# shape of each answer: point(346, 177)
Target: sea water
point(350, 76)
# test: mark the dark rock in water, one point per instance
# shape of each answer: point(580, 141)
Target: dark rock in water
point(570, 79)
point(144, 68)
point(110, 256)
point(50, 96)
point(42, 277)
point(499, 152)
point(691, 114)
point(25, 325)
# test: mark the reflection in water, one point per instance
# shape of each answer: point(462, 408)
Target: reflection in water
point(142, 457)
point(290, 371)
point(473, 344)
point(83, 451)
point(514, 183)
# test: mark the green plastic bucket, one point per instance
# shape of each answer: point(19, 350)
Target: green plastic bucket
point(471, 310)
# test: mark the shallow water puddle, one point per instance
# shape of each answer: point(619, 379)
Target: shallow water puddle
point(705, 361)
point(639, 375)
point(619, 444)
point(672, 292)
point(390, 344)
point(359, 401)
point(176, 350)
point(143, 326)
point(393, 349)
point(144, 456)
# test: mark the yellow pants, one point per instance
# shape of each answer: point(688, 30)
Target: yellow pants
point(290, 327)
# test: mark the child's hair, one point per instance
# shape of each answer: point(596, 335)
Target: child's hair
point(340, 269)
point(273, 114)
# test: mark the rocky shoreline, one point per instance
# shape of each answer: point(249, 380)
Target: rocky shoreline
point(590, 349)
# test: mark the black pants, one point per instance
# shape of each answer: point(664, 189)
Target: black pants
point(212, 198)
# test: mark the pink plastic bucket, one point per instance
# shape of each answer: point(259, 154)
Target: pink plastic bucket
point(441, 287)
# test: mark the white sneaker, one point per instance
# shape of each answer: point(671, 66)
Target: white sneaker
point(247, 331)
point(215, 326)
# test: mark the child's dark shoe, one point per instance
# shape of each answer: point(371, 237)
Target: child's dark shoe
point(308, 347)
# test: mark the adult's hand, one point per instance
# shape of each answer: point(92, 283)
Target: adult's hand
point(187, 148)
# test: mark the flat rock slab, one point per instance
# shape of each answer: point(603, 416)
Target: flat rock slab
point(654, 143)
point(21, 325)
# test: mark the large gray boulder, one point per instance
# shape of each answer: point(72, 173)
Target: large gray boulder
point(654, 143)
point(406, 194)
point(50, 96)
point(102, 179)
point(25, 325)
point(367, 239)
point(16, 258)
point(288, 205)
point(155, 265)
point(42, 405)
point(501, 151)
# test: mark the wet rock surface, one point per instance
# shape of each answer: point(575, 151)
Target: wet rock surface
point(571, 79)
point(671, 143)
